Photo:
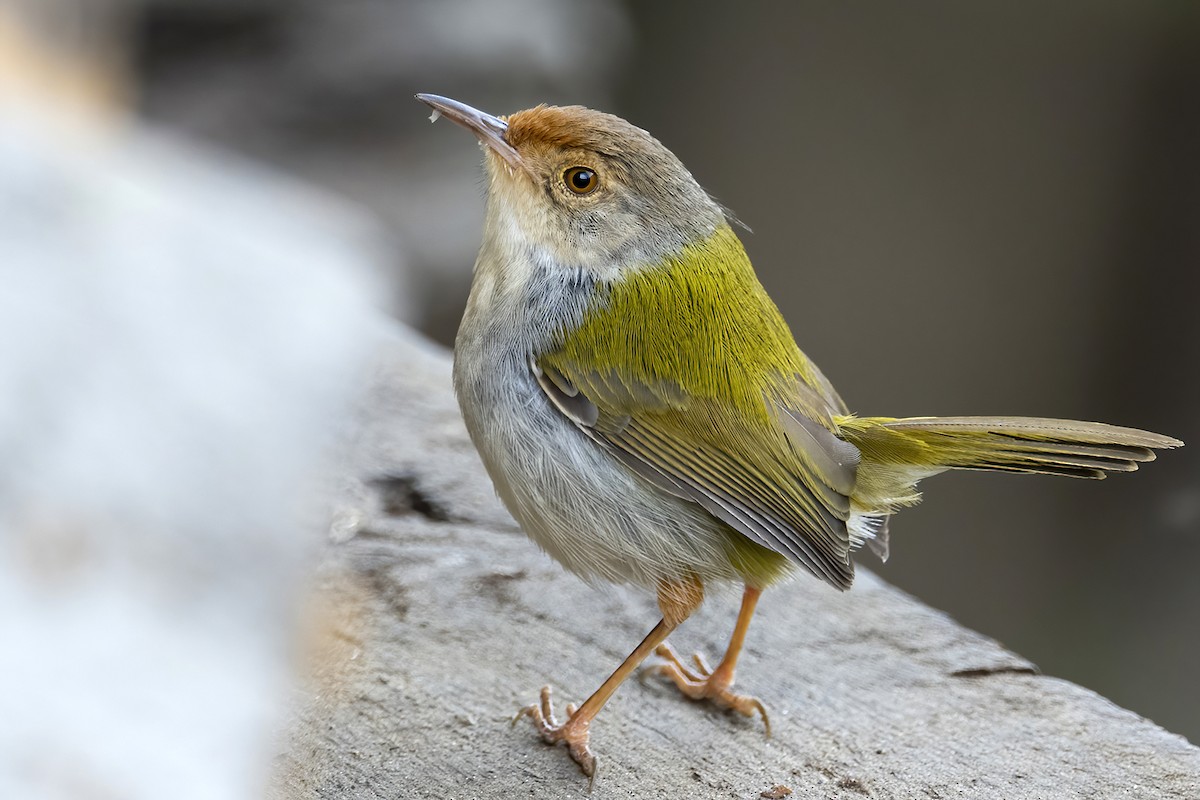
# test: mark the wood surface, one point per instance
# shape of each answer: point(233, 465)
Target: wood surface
point(435, 619)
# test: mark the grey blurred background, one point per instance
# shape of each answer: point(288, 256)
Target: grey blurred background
point(960, 208)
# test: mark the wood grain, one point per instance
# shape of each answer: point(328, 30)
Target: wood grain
point(438, 619)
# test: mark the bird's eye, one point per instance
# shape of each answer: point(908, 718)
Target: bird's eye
point(581, 180)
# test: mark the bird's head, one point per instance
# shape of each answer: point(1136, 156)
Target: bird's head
point(584, 188)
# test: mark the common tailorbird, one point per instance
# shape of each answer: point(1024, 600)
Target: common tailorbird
point(646, 415)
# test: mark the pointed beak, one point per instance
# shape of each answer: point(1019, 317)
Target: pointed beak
point(490, 130)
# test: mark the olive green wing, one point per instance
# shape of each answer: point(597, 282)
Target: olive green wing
point(781, 477)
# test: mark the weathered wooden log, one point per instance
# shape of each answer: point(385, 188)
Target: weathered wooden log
point(437, 620)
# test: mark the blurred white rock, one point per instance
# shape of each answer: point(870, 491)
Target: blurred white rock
point(180, 334)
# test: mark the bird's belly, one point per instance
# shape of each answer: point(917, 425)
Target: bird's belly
point(593, 515)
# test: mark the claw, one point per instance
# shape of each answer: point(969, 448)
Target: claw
point(574, 732)
point(705, 684)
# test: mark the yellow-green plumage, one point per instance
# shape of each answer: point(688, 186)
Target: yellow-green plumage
point(687, 363)
point(700, 321)
point(687, 371)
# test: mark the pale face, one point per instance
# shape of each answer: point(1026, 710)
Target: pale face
point(592, 191)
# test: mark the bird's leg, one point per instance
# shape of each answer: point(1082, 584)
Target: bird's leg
point(677, 600)
point(702, 683)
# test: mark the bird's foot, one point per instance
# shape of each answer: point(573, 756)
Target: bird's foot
point(702, 683)
point(574, 731)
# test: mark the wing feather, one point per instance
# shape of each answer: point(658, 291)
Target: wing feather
point(784, 485)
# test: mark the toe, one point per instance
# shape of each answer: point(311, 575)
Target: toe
point(584, 757)
point(745, 705)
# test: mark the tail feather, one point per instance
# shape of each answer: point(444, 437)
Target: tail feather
point(896, 453)
point(1039, 429)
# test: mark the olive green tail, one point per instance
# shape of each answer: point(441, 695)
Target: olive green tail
point(1004, 444)
point(895, 454)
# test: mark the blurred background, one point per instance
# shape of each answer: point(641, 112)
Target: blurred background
point(984, 208)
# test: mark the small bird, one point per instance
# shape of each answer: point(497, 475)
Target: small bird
point(645, 414)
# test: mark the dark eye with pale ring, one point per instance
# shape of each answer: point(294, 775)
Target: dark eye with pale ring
point(581, 180)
